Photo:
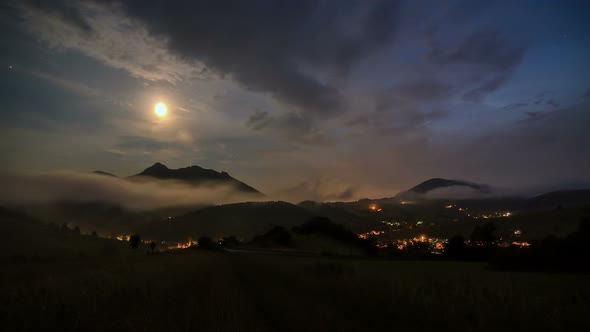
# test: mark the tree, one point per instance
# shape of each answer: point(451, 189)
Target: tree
point(205, 242)
point(152, 246)
point(484, 233)
point(230, 242)
point(94, 234)
point(456, 247)
point(134, 241)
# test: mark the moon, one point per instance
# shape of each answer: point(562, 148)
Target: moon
point(161, 110)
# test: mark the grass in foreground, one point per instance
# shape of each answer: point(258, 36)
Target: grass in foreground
point(196, 290)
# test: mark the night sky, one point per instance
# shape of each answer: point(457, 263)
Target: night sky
point(331, 100)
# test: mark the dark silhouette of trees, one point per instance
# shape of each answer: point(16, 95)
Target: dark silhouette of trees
point(134, 241)
point(94, 234)
point(571, 254)
point(324, 226)
point(152, 246)
point(456, 248)
point(482, 244)
point(275, 236)
point(230, 242)
point(484, 234)
point(206, 242)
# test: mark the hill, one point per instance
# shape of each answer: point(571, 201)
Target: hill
point(243, 220)
point(194, 175)
point(562, 198)
point(26, 238)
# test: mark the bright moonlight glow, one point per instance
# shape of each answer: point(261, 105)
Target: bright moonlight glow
point(161, 110)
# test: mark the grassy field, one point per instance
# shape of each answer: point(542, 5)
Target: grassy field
point(209, 291)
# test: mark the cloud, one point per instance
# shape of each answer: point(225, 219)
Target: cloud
point(487, 54)
point(259, 120)
point(266, 46)
point(105, 33)
point(317, 190)
point(411, 103)
point(75, 87)
point(489, 85)
point(459, 192)
point(295, 127)
point(552, 103)
point(516, 105)
point(64, 10)
point(21, 188)
point(547, 147)
point(144, 143)
point(422, 89)
point(275, 42)
point(485, 47)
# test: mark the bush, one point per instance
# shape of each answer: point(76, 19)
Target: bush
point(205, 242)
point(134, 241)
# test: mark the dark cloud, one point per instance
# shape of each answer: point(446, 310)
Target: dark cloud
point(488, 86)
point(408, 105)
point(62, 9)
point(361, 120)
point(486, 47)
point(516, 105)
point(552, 103)
point(422, 90)
point(259, 120)
point(266, 45)
point(295, 127)
point(466, 10)
point(300, 128)
point(487, 53)
point(550, 145)
point(404, 123)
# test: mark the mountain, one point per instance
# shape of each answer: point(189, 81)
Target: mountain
point(194, 175)
point(438, 183)
point(563, 198)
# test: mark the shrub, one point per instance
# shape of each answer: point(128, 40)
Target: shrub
point(134, 241)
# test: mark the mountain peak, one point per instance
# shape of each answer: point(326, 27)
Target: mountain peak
point(194, 175)
point(156, 169)
point(437, 183)
point(158, 165)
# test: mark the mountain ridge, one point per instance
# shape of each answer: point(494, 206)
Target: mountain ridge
point(194, 175)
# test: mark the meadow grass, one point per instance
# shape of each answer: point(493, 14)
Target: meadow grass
point(197, 290)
